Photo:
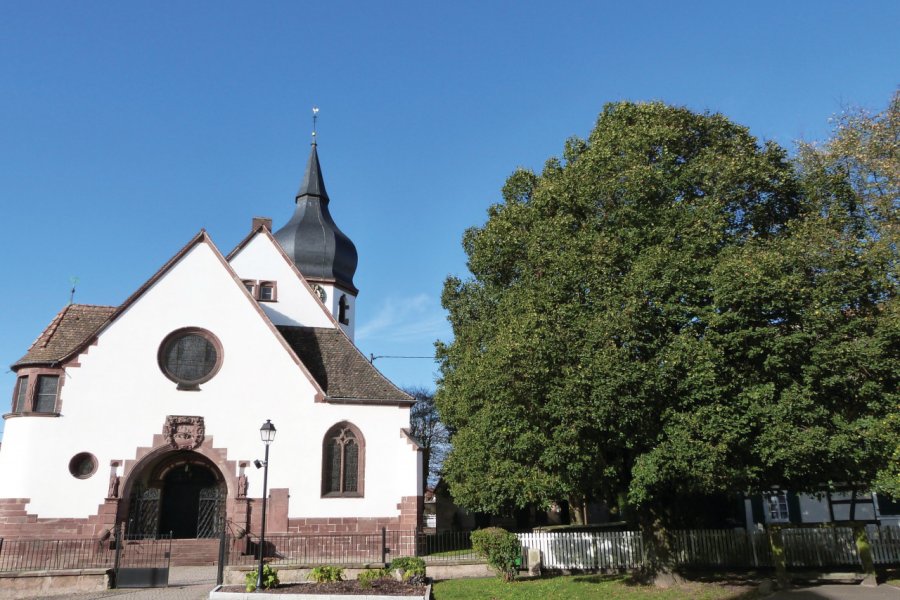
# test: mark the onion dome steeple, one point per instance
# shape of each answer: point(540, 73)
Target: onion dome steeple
point(311, 239)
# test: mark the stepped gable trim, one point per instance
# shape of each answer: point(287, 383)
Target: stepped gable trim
point(404, 432)
point(70, 331)
point(332, 357)
point(17, 522)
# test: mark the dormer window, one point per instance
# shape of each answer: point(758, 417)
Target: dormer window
point(263, 291)
point(267, 291)
point(37, 392)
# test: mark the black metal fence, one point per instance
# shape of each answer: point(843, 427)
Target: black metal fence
point(142, 561)
point(332, 549)
point(803, 547)
point(41, 555)
point(445, 547)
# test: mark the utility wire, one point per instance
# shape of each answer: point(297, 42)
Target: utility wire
point(373, 358)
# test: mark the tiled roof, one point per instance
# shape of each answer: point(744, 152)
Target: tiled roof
point(71, 329)
point(339, 368)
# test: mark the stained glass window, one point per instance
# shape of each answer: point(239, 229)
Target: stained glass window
point(189, 357)
point(342, 462)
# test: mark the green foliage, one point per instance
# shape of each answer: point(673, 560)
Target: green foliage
point(366, 578)
point(326, 574)
point(856, 179)
point(269, 579)
point(409, 567)
point(501, 548)
point(672, 308)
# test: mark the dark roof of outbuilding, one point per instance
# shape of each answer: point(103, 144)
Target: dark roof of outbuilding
point(66, 334)
point(311, 238)
point(340, 368)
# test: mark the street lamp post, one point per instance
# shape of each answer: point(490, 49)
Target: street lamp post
point(267, 433)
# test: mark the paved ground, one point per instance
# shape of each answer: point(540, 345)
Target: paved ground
point(185, 583)
point(839, 592)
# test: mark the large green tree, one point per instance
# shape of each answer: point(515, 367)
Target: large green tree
point(666, 310)
point(855, 180)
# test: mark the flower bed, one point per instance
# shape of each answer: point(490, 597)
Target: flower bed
point(337, 590)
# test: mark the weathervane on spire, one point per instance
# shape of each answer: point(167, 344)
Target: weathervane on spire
point(315, 116)
point(74, 281)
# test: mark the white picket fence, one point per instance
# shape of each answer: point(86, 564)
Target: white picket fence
point(612, 550)
point(732, 548)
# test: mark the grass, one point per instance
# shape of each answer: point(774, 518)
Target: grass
point(583, 587)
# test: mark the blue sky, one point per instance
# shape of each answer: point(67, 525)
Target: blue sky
point(127, 127)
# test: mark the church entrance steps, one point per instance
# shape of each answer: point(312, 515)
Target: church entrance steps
point(195, 553)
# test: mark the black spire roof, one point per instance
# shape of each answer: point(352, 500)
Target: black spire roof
point(320, 250)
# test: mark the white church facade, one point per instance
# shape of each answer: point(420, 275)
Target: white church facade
point(147, 414)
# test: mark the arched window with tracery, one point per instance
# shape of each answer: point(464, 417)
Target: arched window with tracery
point(343, 461)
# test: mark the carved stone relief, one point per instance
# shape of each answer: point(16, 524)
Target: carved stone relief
point(184, 432)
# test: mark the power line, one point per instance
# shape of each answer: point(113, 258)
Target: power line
point(373, 358)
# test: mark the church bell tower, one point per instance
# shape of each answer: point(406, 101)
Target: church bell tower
point(321, 251)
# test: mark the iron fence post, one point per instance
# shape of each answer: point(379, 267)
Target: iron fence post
point(117, 540)
point(384, 549)
point(220, 569)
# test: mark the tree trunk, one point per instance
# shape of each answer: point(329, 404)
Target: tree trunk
point(659, 557)
point(776, 542)
point(865, 553)
point(577, 509)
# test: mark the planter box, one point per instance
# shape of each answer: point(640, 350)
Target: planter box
point(219, 595)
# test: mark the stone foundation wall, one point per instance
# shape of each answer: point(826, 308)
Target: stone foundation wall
point(49, 583)
point(245, 514)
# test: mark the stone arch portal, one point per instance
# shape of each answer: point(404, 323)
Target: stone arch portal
point(179, 492)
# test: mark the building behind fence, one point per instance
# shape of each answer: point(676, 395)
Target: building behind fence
point(825, 547)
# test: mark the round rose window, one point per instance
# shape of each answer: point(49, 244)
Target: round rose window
point(190, 357)
point(82, 465)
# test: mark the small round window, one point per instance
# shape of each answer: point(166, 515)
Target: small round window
point(190, 357)
point(83, 465)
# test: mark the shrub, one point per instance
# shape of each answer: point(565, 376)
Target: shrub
point(366, 578)
point(501, 549)
point(326, 574)
point(269, 578)
point(410, 568)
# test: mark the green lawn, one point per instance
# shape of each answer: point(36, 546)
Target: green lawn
point(582, 587)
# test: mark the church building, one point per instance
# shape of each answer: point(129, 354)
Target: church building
point(148, 414)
